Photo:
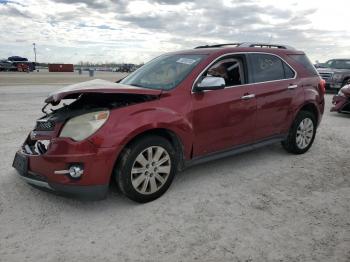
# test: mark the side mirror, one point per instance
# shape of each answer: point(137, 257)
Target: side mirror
point(210, 83)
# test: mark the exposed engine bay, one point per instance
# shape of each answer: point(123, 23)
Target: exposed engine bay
point(92, 101)
point(56, 115)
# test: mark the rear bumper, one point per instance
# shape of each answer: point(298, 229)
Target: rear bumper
point(98, 163)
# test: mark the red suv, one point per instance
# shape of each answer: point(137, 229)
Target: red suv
point(180, 109)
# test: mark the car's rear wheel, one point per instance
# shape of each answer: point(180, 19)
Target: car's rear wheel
point(146, 168)
point(302, 133)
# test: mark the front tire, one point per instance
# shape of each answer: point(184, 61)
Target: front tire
point(146, 168)
point(302, 133)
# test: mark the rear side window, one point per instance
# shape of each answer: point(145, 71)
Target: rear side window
point(265, 67)
point(305, 62)
point(289, 73)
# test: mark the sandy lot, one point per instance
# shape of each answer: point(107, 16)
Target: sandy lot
point(265, 205)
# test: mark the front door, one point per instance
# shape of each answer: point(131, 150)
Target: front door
point(225, 118)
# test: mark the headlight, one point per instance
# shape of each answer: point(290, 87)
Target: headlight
point(80, 127)
point(337, 77)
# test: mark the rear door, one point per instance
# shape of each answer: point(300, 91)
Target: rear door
point(275, 87)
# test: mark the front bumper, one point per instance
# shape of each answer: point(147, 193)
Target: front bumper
point(340, 104)
point(97, 163)
point(95, 192)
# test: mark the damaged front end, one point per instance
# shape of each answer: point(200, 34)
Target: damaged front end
point(341, 101)
point(58, 154)
point(59, 122)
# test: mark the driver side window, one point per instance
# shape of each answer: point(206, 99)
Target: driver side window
point(231, 69)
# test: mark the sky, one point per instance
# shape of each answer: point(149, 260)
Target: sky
point(100, 31)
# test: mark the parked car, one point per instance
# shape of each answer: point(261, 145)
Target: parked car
point(17, 59)
point(341, 101)
point(178, 110)
point(6, 65)
point(336, 72)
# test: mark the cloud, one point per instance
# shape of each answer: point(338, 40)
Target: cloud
point(136, 31)
point(89, 3)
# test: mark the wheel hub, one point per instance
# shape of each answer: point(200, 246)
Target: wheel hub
point(304, 133)
point(150, 170)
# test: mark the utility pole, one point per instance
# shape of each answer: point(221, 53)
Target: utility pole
point(34, 48)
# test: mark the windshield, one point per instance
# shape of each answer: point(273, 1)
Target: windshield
point(338, 64)
point(164, 72)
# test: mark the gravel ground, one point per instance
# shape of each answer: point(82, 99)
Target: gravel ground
point(264, 205)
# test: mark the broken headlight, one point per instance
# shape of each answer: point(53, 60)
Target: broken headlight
point(80, 127)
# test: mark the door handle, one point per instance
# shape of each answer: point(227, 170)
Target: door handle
point(292, 86)
point(246, 97)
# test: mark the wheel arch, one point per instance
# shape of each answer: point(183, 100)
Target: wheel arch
point(310, 107)
point(168, 134)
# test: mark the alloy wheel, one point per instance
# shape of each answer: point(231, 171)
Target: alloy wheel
point(150, 170)
point(305, 133)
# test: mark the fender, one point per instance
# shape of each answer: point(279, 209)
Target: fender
point(135, 120)
point(314, 107)
point(315, 97)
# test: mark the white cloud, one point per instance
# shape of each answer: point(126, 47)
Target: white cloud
point(135, 31)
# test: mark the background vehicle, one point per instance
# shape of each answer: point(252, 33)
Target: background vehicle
point(341, 101)
point(336, 72)
point(6, 65)
point(17, 63)
point(178, 110)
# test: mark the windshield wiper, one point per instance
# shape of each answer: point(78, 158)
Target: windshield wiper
point(147, 87)
point(137, 85)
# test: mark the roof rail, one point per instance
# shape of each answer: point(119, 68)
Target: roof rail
point(248, 44)
point(265, 45)
point(218, 45)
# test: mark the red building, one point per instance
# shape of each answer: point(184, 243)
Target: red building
point(61, 68)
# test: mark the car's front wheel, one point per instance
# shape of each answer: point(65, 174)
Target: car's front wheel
point(146, 168)
point(301, 134)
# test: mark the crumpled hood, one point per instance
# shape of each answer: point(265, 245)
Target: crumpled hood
point(97, 86)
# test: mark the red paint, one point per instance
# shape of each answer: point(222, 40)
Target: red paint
point(203, 122)
point(61, 68)
point(340, 101)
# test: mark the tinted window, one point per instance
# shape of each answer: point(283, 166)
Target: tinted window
point(288, 72)
point(338, 64)
point(305, 62)
point(266, 68)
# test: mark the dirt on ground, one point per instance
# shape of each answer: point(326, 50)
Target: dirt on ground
point(264, 205)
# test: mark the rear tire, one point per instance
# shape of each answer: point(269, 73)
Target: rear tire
point(146, 168)
point(302, 133)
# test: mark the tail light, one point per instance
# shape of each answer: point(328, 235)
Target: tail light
point(322, 86)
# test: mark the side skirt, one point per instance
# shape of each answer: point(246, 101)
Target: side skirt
point(234, 151)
